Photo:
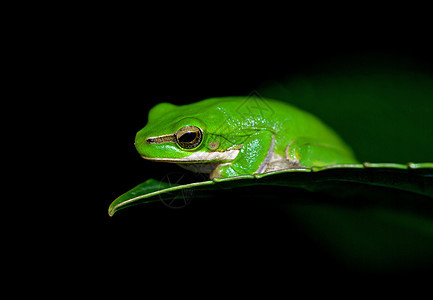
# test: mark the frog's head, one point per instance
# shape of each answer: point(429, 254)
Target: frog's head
point(170, 135)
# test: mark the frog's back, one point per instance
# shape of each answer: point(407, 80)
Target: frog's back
point(268, 113)
point(288, 122)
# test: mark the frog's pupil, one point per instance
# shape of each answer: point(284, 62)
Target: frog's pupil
point(188, 137)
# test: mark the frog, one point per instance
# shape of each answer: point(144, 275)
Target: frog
point(225, 137)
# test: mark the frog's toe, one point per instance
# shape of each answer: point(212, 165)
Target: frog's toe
point(223, 171)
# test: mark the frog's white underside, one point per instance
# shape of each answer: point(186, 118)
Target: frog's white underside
point(197, 157)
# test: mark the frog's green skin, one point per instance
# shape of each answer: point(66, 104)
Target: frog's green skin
point(239, 136)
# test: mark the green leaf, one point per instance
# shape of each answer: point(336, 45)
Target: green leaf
point(367, 236)
point(150, 191)
point(337, 180)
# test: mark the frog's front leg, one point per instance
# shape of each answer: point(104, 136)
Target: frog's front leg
point(253, 157)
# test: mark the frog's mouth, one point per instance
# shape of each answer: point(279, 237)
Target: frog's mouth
point(200, 157)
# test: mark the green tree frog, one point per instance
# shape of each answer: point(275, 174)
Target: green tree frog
point(233, 136)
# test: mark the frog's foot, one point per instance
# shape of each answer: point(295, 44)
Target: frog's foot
point(223, 171)
point(308, 152)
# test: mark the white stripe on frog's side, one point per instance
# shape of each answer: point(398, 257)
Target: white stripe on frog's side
point(200, 157)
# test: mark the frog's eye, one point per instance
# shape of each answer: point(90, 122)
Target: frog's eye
point(189, 137)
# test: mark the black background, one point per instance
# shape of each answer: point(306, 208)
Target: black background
point(117, 73)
